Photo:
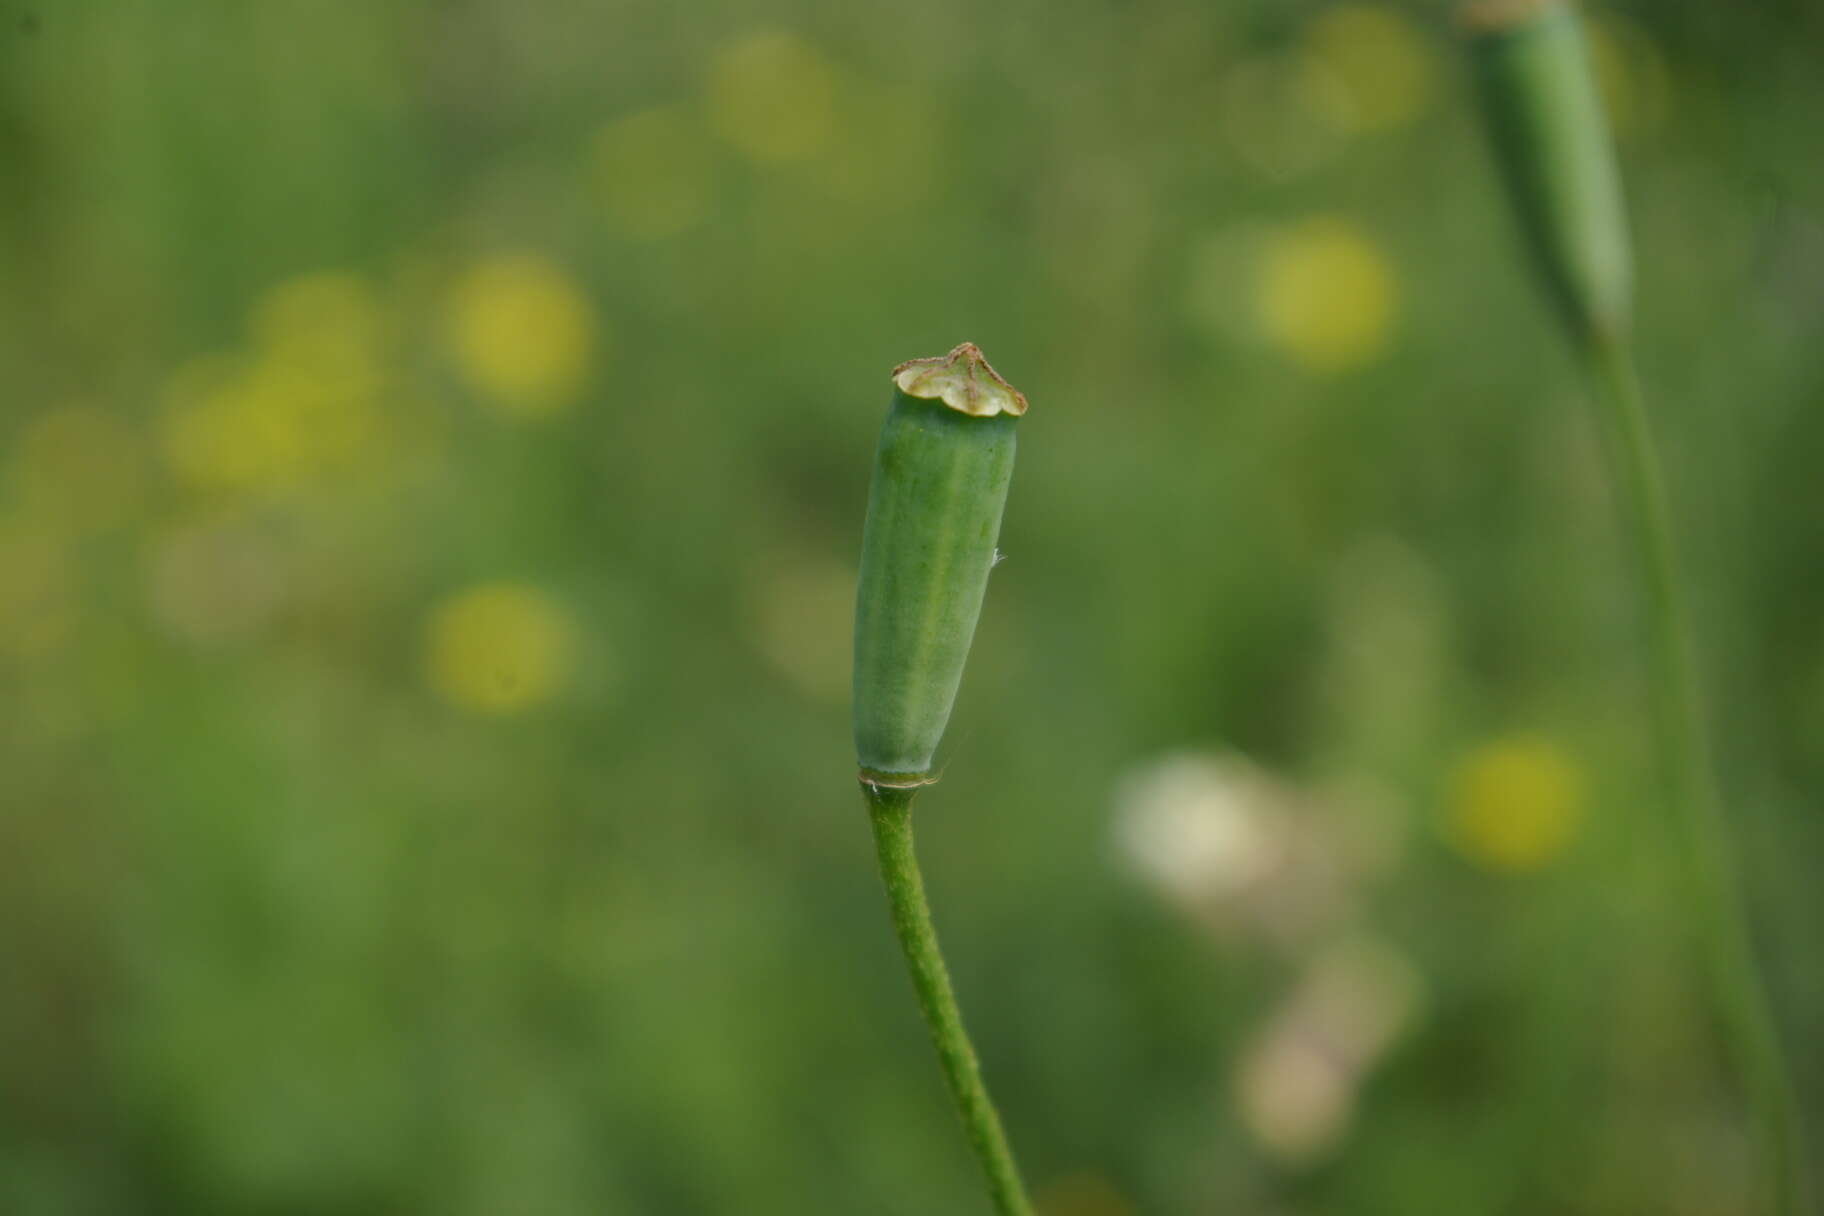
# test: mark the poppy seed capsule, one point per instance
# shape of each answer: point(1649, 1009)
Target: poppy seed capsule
point(1545, 115)
point(934, 514)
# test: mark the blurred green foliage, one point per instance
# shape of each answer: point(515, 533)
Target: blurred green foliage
point(433, 442)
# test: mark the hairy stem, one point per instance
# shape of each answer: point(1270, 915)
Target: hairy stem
point(1720, 918)
point(891, 811)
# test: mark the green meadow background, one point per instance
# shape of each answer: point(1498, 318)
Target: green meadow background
point(434, 436)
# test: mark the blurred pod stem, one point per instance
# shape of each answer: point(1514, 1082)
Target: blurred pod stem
point(1725, 936)
point(1551, 137)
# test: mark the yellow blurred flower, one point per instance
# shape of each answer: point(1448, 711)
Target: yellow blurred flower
point(523, 332)
point(304, 401)
point(1325, 293)
point(79, 468)
point(193, 410)
point(499, 648)
point(655, 172)
point(773, 96)
point(1367, 67)
point(328, 324)
point(1514, 804)
point(261, 426)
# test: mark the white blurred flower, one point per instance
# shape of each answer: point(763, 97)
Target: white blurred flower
point(1295, 1084)
point(1294, 1099)
point(1238, 848)
point(1198, 825)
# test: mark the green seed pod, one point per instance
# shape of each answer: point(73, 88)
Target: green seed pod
point(1551, 136)
point(934, 514)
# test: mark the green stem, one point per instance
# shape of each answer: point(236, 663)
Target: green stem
point(891, 810)
point(1721, 921)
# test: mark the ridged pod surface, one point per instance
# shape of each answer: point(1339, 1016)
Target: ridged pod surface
point(934, 515)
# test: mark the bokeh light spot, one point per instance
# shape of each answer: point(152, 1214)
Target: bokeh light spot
point(523, 333)
point(1515, 804)
point(499, 648)
point(655, 173)
point(328, 323)
point(1366, 68)
point(773, 96)
point(1326, 294)
point(304, 401)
